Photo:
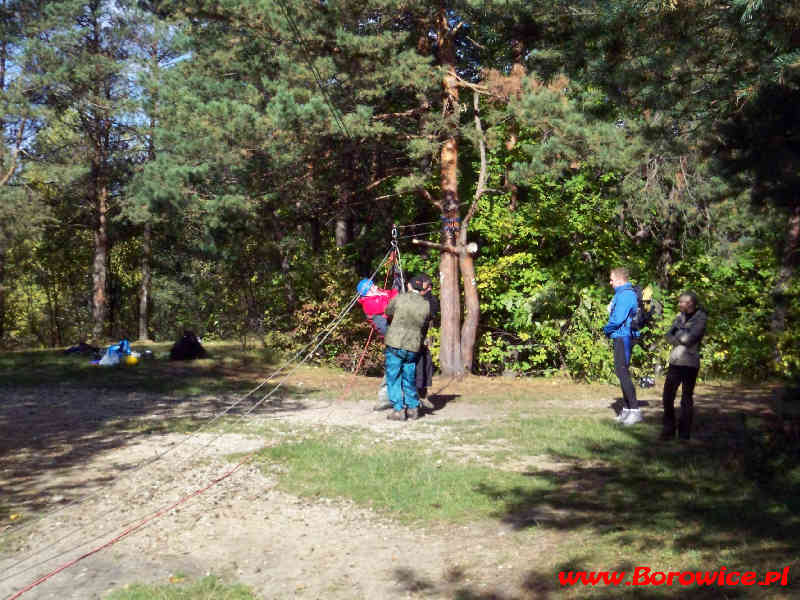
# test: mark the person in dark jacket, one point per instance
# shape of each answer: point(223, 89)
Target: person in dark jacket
point(621, 311)
point(685, 336)
point(409, 314)
point(424, 373)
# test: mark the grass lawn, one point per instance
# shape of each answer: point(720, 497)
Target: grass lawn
point(207, 588)
point(619, 500)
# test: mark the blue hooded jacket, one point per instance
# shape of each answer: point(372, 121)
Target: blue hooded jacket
point(623, 307)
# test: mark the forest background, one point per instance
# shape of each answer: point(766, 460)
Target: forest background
point(234, 167)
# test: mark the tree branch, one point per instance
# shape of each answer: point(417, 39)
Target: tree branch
point(480, 188)
point(407, 113)
point(470, 248)
point(427, 195)
point(473, 86)
point(14, 156)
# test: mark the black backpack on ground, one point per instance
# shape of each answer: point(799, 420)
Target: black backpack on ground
point(187, 348)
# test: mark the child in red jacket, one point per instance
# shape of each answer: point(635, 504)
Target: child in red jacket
point(374, 301)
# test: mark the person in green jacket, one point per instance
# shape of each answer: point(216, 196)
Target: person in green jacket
point(409, 313)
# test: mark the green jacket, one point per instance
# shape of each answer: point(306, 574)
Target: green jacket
point(409, 314)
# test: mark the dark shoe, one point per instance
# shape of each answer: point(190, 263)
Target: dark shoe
point(412, 413)
point(382, 406)
point(426, 404)
point(396, 415)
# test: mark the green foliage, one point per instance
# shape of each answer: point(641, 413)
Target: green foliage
point(321, 323)
point(271, 154)
point(588, 353)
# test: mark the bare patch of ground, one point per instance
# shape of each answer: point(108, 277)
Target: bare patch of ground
point(68, 453)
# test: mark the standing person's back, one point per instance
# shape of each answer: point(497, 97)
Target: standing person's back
point(424, 372)
point(409, 313)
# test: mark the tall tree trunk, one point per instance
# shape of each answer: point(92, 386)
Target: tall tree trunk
point(344, 219)
point(472, 312)
point(286, 262)
point(316, 237)
point(144, 290)
point(450, 351)
point(789, 260)
point(3, 60)
point(147, 234)
point(100, 263)
point(2, 294)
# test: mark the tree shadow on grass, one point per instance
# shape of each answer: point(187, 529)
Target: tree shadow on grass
point(732, 495)
point(545, 585)
point(49, 432)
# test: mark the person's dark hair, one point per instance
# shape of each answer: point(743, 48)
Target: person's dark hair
point(692, 296)
point(420, 281)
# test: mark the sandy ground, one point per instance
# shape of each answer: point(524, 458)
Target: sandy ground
point(242, 528)
point(67, 459)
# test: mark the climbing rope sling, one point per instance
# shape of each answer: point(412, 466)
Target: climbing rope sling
point(394, 269)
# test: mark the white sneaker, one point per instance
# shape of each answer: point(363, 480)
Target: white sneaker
point(634, 416)
point(622, 414)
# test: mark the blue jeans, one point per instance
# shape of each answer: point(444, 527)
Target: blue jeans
point(401, 368)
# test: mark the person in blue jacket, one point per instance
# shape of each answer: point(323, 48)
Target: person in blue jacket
point(621, 311)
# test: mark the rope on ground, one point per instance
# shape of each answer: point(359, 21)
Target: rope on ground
point(133, 528)
point(146, 462)
point(321, 337)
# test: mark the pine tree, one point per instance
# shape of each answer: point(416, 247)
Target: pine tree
point(665, 60)
point(82, 54)
point(20, 213)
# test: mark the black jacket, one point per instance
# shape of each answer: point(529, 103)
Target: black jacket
point(685, 336)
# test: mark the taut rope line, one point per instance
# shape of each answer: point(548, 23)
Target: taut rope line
point(327, 332)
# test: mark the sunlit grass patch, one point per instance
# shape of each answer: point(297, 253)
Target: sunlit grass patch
point(568, 438)
point(398, 478)
point(625, 498)
point(207, 588)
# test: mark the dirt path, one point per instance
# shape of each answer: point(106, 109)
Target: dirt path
point(243, 528)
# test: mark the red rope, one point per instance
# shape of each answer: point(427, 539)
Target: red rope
point(159, 513)
point(134, 528)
